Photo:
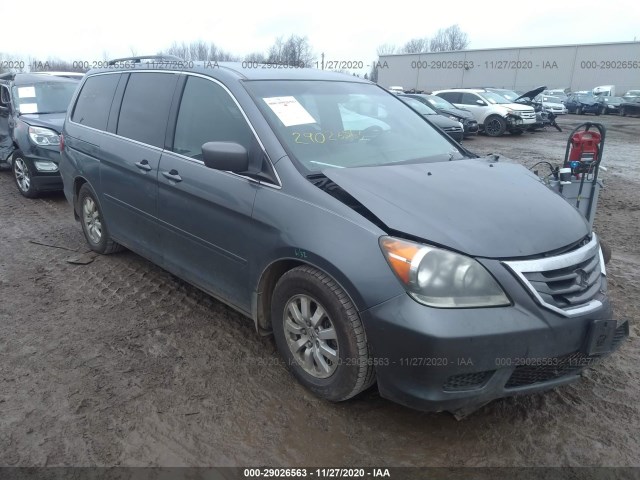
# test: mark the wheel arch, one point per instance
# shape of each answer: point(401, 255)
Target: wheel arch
point(78, 182)
point(261, 302)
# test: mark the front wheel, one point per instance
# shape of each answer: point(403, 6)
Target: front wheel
point(22, 174)
point(320, 335)
point(495, 126)
point(93, 226)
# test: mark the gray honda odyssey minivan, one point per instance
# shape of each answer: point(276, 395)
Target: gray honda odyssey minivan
point(371, 245)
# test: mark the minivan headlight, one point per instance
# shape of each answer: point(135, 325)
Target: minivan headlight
point(440, 278)
point(43, 136)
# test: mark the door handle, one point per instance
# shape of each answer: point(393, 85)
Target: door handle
point(143, 165)
point(172, 175)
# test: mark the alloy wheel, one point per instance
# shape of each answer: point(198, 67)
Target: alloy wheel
point(311, 336)
point(91, 219)
point(23, 176)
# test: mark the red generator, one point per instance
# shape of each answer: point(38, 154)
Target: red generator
point(584, 150)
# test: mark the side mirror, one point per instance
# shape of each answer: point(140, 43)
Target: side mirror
point(481, 102)
point(227, 156)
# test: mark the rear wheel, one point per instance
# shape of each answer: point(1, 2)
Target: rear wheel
point(495, 126)
point(22, 174)
point(93, 225)
point(320, 335)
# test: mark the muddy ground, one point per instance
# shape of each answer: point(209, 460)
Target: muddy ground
point(119, 363)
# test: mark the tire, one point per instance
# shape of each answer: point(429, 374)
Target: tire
point(495, 126)
point(579, 111)
point(23, 175)
point(338, 327)
point(93, 225)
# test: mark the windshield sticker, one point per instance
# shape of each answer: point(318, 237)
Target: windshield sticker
point(289, 111)
point(26, 92)
point(29, 108)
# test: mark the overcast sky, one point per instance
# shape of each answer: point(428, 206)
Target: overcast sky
point(343, 30)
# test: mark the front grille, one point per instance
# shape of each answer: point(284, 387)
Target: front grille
point(527, 115)
point(452, 129)
point(566, 283)
point(466, 381)
point(558, 367)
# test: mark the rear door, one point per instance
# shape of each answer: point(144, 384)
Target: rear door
point(130, 159)
point(205, 214)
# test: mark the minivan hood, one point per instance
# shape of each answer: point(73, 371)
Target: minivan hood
point(53, 121)
point(494, 210)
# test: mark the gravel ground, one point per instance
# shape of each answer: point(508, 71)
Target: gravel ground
point(119, 363)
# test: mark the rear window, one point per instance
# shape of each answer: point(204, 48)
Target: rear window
point(94, 102)
point(145, 107)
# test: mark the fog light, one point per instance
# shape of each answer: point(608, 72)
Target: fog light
point(46, 166)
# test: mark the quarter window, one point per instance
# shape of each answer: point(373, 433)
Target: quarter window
point(94, 101)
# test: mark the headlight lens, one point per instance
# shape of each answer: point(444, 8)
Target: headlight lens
point(43, 136)
point(453, 117)
point(440, 278)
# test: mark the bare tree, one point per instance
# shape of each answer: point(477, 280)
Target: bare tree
point(295, 50)
point(55, 65)
point(416, 45)
point(387, 49)
point(199, 51)
point(449, 39)
point(257, 57)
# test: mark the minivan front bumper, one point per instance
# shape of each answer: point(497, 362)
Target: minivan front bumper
point(460, 359)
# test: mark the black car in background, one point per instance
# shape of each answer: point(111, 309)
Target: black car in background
point(609, 105)
point(447, 109)
point(453, 128)
point(630, 107)
point(581, 103)
point(32, 112)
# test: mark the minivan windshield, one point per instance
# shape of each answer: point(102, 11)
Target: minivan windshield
point(347, 124)
point(44, 97)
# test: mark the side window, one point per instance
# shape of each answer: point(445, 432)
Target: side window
point(94, 102)
point(208, 114)
point(452, 97)
point(469, 99)
point(145, 107)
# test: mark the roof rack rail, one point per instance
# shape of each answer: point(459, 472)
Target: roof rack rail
point(145, 57)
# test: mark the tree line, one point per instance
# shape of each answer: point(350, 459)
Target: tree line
point(295, 50)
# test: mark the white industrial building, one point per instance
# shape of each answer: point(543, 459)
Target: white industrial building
point(577, 67)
